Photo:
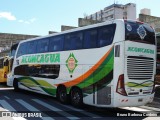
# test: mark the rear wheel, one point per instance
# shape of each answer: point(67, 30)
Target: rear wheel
point(15, 85)
point(62, 94)
point(76, 97)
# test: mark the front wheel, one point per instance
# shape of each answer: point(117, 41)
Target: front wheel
point(76, 97)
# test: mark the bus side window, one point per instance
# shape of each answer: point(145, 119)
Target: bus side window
point(56, 43)
point(73, 41)
point(42, 45)
point(32, 47)
point(90, 39)
point(22, 49)
point(105, 35)
point(20, 70)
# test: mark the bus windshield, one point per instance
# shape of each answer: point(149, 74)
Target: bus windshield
point(139, 32)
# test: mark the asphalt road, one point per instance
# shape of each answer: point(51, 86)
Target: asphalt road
point(49, 108)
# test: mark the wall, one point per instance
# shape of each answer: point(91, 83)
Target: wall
point(8, 39)
point(152, 20)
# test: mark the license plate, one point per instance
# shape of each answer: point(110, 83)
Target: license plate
point(140, 100)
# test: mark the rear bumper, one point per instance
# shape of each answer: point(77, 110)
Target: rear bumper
point(126, 101)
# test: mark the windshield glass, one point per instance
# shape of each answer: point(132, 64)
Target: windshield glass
point(139, 32)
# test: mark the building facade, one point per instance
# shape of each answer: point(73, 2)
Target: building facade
point(152, 20)
point(115, 11)
point(8, 39)
point(145, 11)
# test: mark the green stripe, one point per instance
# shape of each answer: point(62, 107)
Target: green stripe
point(30, 82)
point(148, 83)
point(105, 68)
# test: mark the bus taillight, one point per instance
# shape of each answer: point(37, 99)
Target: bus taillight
point(120, 86)
point(5, 75)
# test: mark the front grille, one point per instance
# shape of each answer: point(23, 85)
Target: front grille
point(139, 68)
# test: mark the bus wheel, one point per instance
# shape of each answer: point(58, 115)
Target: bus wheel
point(76, 97)
point(62, 94)
point(15, 85)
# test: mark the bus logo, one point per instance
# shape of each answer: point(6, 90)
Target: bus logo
point(71, 63)
point(141, 32)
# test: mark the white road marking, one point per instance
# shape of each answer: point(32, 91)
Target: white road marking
point(63, 113)
point(6, 105)
point(7, 97)
point(84, 112)
point(7, 88)
point(31, 108)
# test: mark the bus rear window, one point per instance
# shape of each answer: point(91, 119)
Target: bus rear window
point(139, 32)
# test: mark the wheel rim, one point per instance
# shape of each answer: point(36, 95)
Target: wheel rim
point(62, 96)
point(76, 97)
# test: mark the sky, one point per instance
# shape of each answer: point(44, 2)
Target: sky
point(37, 17)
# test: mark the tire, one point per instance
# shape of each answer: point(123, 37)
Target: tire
point(62, 95)
point(76, 97)
point(15, 85)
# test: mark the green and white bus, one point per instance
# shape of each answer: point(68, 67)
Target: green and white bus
point(110, 64)
point(11, 59)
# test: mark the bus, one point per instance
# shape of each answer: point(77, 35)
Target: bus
point(109, 64)
point(158, 59)
point(3, 69)
point(10, 60)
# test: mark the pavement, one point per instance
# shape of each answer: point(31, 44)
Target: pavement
point(156, 101)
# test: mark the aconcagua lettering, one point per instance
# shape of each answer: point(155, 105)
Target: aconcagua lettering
point(142, 50)
point(43, 58)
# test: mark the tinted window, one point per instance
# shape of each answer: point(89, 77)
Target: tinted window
point(42, 45)
point(158, 43)
point(56, 43)
point(32, 47)
point(139, 32)
point(11, 64)
point(1, 62)
point(6, 62)
point(106, 35)
point(21, 70)
point(22, 49)
point(13, 49)
point(73, 41)
point(43, 71)
point(90, 39)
